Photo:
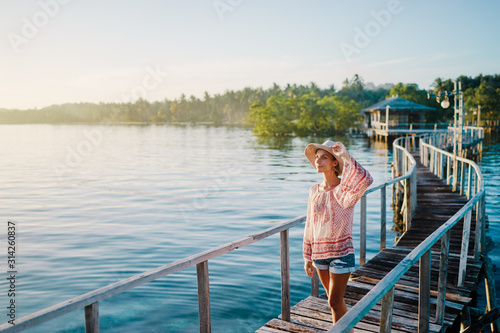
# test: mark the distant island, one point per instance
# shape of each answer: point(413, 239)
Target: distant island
point(277, 111)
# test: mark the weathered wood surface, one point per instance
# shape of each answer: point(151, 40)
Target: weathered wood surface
point(436, 203)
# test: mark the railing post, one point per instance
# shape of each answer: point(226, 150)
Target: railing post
point(479, 241)
point(436, 163)
point(443, 272)
point(315, 284)
point(408, 203)
point(203, 297)
point(383, 218)
point(478, 236)
point(455, 173)
point(92, 318)
point(424, 292)
point(362, 232)
point(483, 225)
point(422, 151)
point(386, 311)
point(413, 188)
point(465, 247)
point(475, 184)
point(448, 169)
point(285, 275)
point(469, 184)
point(431, 163)
point(441, 160)
point(440, 166)
point(462, 168)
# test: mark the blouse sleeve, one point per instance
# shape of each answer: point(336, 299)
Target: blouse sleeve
point(355, 181)
point(307, 250)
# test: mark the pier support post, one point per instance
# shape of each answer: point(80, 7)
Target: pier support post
point(466, 321)
point(491, 297)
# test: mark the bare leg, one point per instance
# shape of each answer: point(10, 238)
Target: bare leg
point(324, 277)
point(338, 283)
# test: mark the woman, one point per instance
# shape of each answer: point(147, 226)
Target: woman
point(328, 232)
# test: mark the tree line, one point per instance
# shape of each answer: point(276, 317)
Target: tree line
point(277, 111)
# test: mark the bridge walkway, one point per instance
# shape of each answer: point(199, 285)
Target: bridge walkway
point(436, 203)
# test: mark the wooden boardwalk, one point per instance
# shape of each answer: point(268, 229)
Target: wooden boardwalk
point(436, 203)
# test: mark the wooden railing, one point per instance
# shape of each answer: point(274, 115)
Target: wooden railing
point(470, 135)
point(404, 164)
point(382, 125)
point(384, 290)
point(90, 301)
point(405, 177)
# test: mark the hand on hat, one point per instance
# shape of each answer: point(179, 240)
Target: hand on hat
point(339, 150)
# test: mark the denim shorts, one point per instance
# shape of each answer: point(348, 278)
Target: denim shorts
point(339, 265)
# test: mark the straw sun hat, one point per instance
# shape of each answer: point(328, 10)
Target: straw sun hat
point(311, 149)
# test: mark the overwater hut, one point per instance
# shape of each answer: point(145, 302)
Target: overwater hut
point(395, 116)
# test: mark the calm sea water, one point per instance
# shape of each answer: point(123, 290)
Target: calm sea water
point(97, 204)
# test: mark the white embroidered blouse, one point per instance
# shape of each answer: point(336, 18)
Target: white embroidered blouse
point(328, 230)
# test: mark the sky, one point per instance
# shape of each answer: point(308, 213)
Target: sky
point(72, 51)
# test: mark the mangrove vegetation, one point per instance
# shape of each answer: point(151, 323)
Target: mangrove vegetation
point(278, 111)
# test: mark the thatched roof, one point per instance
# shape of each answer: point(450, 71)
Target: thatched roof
point(397, 104)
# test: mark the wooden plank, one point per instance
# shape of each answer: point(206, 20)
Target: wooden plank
point(434, 293)
point(265, 329)
point(401, 311)
point(393, 258)
point(400, 295)
point(401, 323)
point(385, 263)
point(412, 280)
point(292, 327)
point(311, 322)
